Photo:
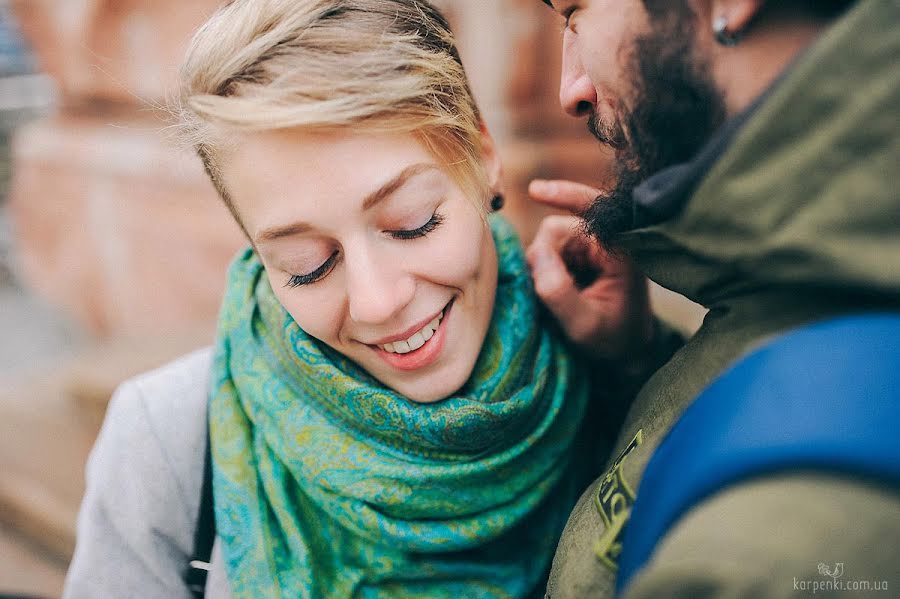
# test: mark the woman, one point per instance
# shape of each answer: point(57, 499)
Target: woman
point(388, 413)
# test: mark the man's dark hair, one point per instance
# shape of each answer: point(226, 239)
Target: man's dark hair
point(825, 9)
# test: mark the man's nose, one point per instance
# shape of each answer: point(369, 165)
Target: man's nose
point(377, 288)
point(577, 93)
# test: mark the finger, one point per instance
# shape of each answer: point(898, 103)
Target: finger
point(567, 195)
point(563, 236)
point(553, 283)
point(556, 231)
point(566, 235)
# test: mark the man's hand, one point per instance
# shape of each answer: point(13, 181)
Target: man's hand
point(599, 299)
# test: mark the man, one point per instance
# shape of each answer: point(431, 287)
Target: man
point(756, 145)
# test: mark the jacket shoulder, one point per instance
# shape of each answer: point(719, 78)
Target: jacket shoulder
point(175, 395)
point(174, 398)
point(769, 537)
point(143, 479)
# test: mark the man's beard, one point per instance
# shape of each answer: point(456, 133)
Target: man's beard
point(673, 110)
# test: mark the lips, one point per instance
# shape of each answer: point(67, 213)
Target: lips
point(408, 354)
point(416, 340)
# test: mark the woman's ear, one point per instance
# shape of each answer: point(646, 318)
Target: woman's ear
point(493, 167)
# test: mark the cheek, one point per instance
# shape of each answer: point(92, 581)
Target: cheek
point(313, 309)
point(607, 59)
point(459, 260)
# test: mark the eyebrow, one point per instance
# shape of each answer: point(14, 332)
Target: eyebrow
point(371, 200)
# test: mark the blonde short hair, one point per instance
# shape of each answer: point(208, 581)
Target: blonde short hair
point(377, 65)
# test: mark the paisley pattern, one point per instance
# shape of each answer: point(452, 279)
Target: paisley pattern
point(328, 484)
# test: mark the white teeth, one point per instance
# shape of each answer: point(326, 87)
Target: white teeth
point(417, 340)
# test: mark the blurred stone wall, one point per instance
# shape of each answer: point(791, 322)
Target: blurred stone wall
point(120, 228)
point(114, 223)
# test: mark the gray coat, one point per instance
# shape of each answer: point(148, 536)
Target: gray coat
point(137, 520)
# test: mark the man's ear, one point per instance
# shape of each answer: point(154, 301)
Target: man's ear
point(493, 167)
point(737, 13)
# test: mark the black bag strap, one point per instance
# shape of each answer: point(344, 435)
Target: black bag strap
point(205, 533)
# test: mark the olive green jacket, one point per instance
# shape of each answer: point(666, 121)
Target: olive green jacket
point(798, 221)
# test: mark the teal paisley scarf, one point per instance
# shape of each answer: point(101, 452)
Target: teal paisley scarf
point(328, 484)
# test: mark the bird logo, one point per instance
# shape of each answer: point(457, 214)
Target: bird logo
point(826, 570)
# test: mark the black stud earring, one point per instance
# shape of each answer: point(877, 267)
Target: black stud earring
point(723, 36)
point(497, 202)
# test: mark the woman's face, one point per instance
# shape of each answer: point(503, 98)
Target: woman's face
point(372, 248)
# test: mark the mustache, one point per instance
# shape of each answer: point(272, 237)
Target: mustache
point(611, 134)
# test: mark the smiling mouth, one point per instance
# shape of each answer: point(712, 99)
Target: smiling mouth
point(421, 348)
point(417, 339)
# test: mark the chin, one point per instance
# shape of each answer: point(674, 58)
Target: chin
point(435, 387)
point(426, 397)
point(427, 392)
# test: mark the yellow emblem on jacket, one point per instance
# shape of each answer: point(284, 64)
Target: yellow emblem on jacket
point(614, 499)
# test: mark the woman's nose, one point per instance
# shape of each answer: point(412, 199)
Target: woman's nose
point(577, 93)
point(377, 288)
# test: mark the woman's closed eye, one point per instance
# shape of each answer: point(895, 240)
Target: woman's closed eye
point(317, 274)
point(433, 223)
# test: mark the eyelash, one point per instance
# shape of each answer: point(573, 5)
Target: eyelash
point(299, 280)
point(433, 223)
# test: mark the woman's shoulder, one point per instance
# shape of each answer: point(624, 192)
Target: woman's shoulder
point(165, 409)
point(143, 479)
point(173, 395)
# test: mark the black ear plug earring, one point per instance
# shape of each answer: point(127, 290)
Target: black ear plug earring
point(497, 202)
point(723, 36)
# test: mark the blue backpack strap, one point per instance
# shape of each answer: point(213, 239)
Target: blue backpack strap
point(825, 397)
